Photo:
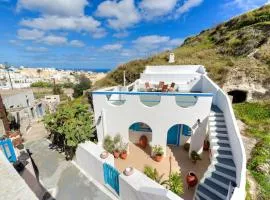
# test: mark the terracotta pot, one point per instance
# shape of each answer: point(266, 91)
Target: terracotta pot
point(143, 141)
point(13, 134)
point(158, 157)
point(17, 141)
point(123, 155)
point(206, 145)
point(116, 154)
point(191, 179)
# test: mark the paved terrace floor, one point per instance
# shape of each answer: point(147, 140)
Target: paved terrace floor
point(180, 161)
point(59, 179)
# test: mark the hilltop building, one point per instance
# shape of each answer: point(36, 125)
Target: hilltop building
point(172, 106)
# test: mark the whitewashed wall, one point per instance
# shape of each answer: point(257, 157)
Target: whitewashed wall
point(135, 187)
point(117, 119)
point(139, 187)
point(88, 158)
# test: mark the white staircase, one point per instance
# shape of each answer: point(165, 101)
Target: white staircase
point(221, 173)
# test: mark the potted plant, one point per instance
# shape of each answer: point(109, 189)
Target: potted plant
point(108, 144)
point(206, 145)
point(195, 156)
point(158, 153)
point(116, 153)
point(117, 140)
point(186, 146)
point(123, 153)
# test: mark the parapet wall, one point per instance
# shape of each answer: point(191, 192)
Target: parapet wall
point(134, 187)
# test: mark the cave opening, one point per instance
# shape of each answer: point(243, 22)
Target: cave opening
point(239, 96)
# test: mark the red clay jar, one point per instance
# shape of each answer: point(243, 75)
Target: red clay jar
point(191, 179)
point(143, 141)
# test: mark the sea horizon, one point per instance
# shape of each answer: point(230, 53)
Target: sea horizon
point(85, 69)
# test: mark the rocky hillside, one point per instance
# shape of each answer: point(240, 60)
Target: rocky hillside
point(235, 53)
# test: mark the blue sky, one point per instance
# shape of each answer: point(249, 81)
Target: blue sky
point(104, 34)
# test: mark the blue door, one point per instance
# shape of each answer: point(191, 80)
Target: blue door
point(7, 147)
point(186, 130)
point(111, 177)
point(173, 136)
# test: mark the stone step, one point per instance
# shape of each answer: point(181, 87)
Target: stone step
point(218, 128)
point(218, 118)
point(222, 181)
point(207, 194)
point(214, 114)
point(216, 140)
point(227, 173)
point(215, 188)
point(222, 153)
point(225, 162)
point(221, 134)
point(217, 122)
point(217, 147)
point(199, 197)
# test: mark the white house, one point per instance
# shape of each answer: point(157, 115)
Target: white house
point(172, 105)
point(21, 104)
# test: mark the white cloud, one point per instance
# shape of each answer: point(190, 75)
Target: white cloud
point(146, 43)
point(150, 44)
point(16, 42)
point(121, 34)
point(121, 15)
point(78, 23)
point(112, 47)
point(26, 34)
point(176, 42)
point(36, 49)
point(154, 8)
point(187, 5)
point(54, 40)
point(247, 4)
point(76, 43)
point(54, 7)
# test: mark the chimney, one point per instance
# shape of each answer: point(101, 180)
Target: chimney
point(171, 58)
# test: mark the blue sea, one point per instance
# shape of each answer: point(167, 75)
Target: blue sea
point(104, 70)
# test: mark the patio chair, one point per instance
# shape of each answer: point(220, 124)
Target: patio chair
point(148, 87)
point(164, 88)
point(160, 85)
point(171, 88)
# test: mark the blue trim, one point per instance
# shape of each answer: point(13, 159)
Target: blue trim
point(8, 149)
point(111, 177)
point(153, 93)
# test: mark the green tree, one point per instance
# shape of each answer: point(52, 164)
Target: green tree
point(57, 89)
point(84, 84)
point(70, 125)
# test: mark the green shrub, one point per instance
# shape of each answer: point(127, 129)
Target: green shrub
point(42, 84)
point(153, 174)
point(175, 183)
point(158, 150)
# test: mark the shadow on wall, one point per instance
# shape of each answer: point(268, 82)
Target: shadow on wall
point(239, 96)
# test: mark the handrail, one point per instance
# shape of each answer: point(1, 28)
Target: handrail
point(153, 93)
